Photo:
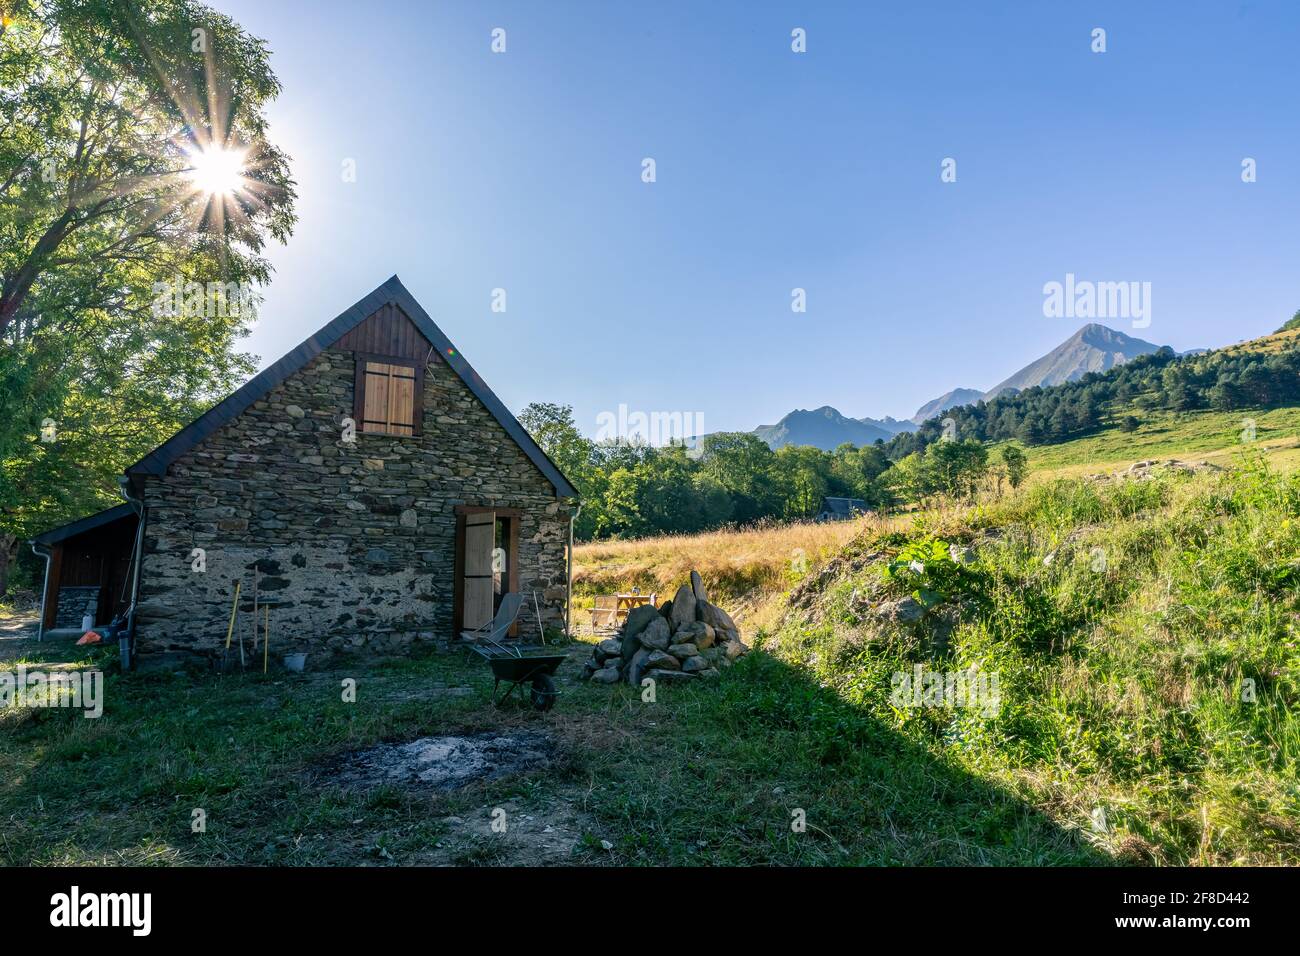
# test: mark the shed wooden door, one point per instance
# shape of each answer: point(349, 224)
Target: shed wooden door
point(476, 582)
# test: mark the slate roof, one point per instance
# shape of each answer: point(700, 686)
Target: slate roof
point(82, 525)
point(843, 507)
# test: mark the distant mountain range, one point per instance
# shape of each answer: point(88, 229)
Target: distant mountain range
point(1094, 348)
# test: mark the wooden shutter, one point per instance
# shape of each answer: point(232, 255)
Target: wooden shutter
point(480, 537)
point(387, 397)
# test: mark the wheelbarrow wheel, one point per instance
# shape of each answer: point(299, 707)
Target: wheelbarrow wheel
point(544, 692)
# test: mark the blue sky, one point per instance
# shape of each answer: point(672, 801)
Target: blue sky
point(776, 170)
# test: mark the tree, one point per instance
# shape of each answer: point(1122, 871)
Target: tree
point(119, 276)
point(802, 479)
point(957, 467)
point(741, 464)
point(910, 479)
point(556, 433)
point(1014, 464)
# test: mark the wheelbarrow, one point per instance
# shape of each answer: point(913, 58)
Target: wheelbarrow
point(513, 667)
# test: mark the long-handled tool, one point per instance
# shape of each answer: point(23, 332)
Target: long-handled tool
point(230, 630)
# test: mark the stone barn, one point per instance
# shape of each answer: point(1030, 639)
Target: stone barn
point(367, 490)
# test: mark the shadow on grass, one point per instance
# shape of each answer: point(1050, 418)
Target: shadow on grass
point(729, 771)
point(713, 773)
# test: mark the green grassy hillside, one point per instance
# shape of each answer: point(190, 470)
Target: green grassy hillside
point(1216, 437)
point(1145, 638)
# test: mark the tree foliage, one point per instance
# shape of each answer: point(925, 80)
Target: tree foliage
point(104, 105)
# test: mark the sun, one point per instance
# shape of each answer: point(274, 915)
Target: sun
point(216, 171)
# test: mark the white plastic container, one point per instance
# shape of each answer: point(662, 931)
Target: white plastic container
point(295, 662)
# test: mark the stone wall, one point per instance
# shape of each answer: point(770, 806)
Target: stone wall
point(74, 604)
point(354, 541)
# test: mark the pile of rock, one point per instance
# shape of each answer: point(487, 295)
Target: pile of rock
point(680, 640)
point(1147, 470)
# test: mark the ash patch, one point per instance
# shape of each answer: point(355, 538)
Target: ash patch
point(445, 763)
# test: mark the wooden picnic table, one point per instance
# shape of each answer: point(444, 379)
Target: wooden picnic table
point(625, 602)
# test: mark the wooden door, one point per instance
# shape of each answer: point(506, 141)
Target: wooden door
point(477, 576)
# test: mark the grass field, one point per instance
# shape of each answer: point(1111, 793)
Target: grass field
point(1123, 619)
point(1122, 735)
point(1216, 437)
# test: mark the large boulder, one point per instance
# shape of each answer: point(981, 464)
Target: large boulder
point(606, 675)
point(698, 633)
point(683, 606)
point(638, 619)
point(657, 636)
point(637, 666)
point(610, 647)
point(715, 616)
point(662, 660)
point(697, 587)
point(683, 651)
point(694, 665)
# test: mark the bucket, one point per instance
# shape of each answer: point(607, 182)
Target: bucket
point(295, 662)
point(87, 622)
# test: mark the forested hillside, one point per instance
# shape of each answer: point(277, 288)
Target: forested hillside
point(634, 490)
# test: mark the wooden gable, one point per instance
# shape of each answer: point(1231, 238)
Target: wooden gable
point(389, 332)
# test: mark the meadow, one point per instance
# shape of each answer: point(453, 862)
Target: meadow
point(1143, 633)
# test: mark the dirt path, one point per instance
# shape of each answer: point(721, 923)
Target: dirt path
point(17, 636)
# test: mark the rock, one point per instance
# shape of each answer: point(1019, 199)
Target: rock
point(667, 676)
point(709, 672)
point(693, 665)
point(637, 666)
point(294, 411)
point(726, 634)
point(666, 609)
point(683, 606)
point(589, 668)
point(610, 647)
point(656, 636)
point(697, 587)
point(716, 617)
point(734, 649)
point(638, 619)
point(663, 660)
point(683, 651)
point(606, 675)
point(698, 633)
point(408, 518)
point(905, 611)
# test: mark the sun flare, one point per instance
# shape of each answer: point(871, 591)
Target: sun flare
point(216, 171)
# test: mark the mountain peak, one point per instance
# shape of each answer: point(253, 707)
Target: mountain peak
point(1094, 348)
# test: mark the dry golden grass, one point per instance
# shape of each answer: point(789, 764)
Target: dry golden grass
point(743, 570)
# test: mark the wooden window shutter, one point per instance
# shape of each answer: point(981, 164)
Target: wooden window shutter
point(388, 396)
